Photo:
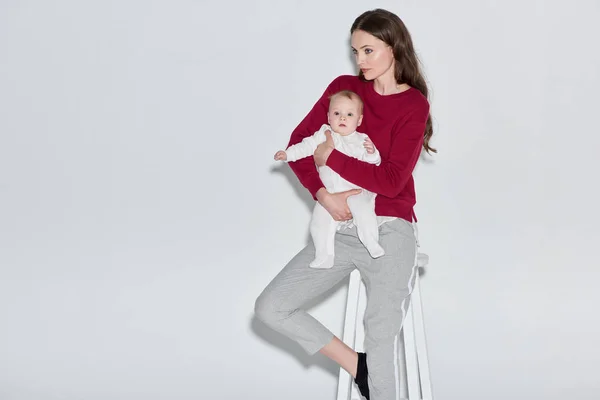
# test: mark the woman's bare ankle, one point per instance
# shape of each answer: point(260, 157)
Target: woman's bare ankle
point(339, 352)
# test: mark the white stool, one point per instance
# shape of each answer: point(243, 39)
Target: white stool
point(413, 364)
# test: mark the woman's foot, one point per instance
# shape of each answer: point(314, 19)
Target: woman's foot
point(362, 375)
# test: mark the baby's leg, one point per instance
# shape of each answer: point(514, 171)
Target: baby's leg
point(362, 207)
point(322, 229)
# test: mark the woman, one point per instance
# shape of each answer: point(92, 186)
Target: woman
point(396, 118)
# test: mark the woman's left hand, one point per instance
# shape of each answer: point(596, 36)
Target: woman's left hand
point(323, 150)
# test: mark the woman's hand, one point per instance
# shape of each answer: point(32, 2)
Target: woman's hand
point(323, 150)
point(336, 204)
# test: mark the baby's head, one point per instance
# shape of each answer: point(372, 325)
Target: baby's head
point(345, 112)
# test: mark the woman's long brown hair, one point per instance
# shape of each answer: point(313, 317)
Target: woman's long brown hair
point(389, 28)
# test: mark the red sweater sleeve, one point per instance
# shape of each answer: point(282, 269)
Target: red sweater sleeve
point(305, 169)
point(390, 177)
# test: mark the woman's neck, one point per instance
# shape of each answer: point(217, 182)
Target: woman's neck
point(386, 85)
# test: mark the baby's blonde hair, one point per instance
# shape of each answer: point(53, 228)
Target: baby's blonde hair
point(349, 94)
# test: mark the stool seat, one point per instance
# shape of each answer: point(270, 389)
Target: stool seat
point(422, 260)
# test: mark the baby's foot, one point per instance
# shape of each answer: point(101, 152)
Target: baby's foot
point(322, 263)
point(375, 250)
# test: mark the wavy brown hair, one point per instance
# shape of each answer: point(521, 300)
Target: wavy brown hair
point(389, 28)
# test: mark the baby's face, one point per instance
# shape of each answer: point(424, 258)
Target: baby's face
point(344, 115)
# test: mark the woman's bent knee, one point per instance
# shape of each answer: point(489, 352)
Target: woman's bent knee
point(265, 309)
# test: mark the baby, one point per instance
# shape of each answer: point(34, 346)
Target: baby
point(343, 117)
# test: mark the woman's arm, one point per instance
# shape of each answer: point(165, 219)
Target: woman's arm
point(390, 177)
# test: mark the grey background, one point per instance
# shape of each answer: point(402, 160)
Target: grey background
point(141, 212)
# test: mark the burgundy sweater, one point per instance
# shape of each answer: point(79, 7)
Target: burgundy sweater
point(395, 123)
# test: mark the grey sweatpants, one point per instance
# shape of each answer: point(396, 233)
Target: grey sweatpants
point(389, 281)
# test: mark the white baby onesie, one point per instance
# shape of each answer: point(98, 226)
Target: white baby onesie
point(322, 226)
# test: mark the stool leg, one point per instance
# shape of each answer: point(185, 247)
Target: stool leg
point(421, 342)
point(412, 366)
point(400, 353)
point(349, 336)
point(359, 340)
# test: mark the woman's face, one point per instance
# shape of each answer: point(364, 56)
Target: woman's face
point(373, 56)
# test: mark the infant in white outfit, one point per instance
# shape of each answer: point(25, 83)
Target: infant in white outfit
point(344, 116)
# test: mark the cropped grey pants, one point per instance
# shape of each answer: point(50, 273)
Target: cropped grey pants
point(389, 281)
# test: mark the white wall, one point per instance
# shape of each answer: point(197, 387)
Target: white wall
point(141, 213)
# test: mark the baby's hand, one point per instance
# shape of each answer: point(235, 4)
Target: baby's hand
point(280, 156)
point(369, 146)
